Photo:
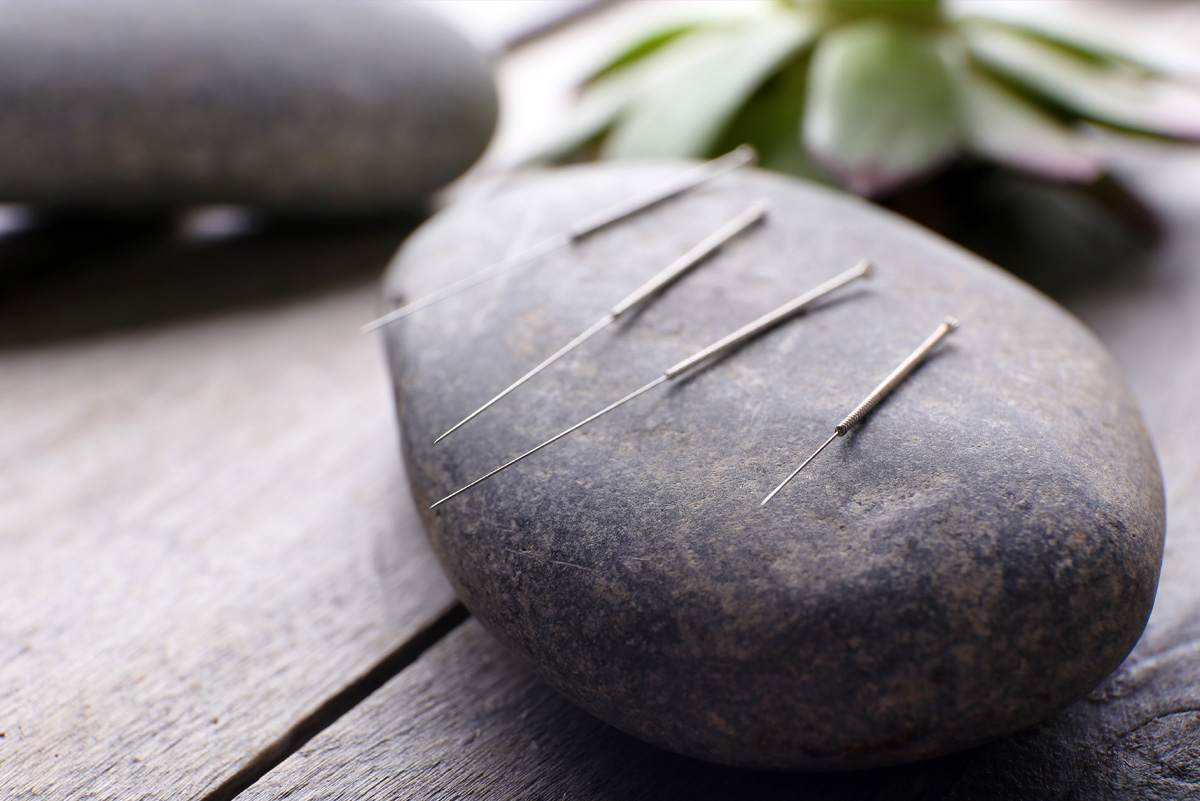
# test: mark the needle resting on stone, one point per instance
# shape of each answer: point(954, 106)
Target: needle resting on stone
point(718, 348)
point(948, 326)
point(690, 179)
point(660, 282)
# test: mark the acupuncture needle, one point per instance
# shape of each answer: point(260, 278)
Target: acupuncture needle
point(718, 348)
point(671, 273)
point(948, 326)
point(690, 179)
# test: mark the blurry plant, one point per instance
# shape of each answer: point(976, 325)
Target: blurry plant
point(888, 98)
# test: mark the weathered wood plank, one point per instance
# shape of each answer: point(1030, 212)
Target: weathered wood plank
point(205, 534)
point(468, 720)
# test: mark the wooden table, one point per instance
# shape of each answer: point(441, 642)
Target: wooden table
point(208, 555)
point(213, 582)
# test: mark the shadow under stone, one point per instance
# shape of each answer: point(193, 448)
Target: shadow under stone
point(1061, 238)
point(67, 275)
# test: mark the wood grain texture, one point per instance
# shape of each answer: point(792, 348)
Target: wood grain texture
point(468, 720)
point(204, 527)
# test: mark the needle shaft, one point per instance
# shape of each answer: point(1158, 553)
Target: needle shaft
point(596, 327)
point(687, 180)
point(948, 326)
point(726, 344)
point(532, 253)
point(784, 483)
point(673, 272)
point(556, 438)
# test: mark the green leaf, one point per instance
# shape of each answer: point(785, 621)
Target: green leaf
point(684, 112)
point(1081, 33)
point(642, 48)
point(1002, 126)
point(770, 120)
point(602, 101)
point(920, 11)
point(594, 113)
point(1108, 95)
point(882, 108)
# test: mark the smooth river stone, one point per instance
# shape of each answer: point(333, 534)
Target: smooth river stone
point(981, 551)
point(303, 107)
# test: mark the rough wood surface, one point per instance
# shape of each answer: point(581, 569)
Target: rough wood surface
point(205, 534)
point(468, 720)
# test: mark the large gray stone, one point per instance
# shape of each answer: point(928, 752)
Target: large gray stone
point(309, 106)
point(982, 551)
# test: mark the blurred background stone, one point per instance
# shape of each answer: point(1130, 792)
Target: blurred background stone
point(311, 108)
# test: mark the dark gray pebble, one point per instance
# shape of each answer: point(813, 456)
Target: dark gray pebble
point(343, 107)
point(981, 551)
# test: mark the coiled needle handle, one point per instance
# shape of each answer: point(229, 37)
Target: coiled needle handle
point(689, 179)
point(673, 272)
point(771, 319)
point(723, 345)
point(878, 394)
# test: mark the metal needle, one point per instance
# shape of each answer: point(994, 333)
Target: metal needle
point(689, 179)
point(879, 393)
point(721, 346)
point(673, 272)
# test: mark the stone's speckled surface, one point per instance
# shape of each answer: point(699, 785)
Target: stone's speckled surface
point(307, 107)
point(982, 550)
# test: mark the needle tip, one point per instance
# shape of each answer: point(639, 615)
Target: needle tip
point(952, 322)
point(380, 322)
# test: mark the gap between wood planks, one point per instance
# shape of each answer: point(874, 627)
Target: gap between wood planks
point(340, 703)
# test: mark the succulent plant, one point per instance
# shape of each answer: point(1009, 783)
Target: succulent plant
point(877, 95)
